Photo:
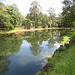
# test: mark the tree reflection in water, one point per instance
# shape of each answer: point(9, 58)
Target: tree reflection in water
point(10, 44)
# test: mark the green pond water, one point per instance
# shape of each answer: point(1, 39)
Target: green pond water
point(21, 52)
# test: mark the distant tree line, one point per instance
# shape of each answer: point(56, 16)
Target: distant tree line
point(10, 16)
point(36, 18)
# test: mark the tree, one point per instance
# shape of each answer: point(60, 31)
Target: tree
point(27, 23)
point(34, 11)
point(45, 20)
point(51, 10)
point(52, 17)
point(6, 20)
point(59, 20)
point(13, 10)
point(68, 14)
point(10, 16)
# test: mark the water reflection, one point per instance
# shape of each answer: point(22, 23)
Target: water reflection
point(21, 53)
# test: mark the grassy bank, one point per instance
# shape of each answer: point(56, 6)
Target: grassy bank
point(13, 31)
point(63, 60)
point(36, 29)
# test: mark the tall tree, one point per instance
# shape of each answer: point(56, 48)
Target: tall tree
point(6, 20)
point(13, 10)
point(59, 20)
point(52, 16)
point(68, 14)
point(10, 16)
point(34, 11)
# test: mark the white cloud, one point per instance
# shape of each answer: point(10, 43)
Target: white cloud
point(24, 5)
point(57, 44)
point(25, 43)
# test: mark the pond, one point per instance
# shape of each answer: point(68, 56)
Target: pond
point(21, 52)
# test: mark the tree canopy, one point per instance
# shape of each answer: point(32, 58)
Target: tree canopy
point(11, 17)
point(68, 14)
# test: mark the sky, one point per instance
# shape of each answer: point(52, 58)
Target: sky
point(24, 5)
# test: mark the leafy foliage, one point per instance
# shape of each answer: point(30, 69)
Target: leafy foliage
point(68, 14)
point(9, 16)
point(27, 23)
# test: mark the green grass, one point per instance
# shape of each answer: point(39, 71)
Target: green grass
point(3, 31)
point(65, 40)
point(13, 31)
point(63, 61)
